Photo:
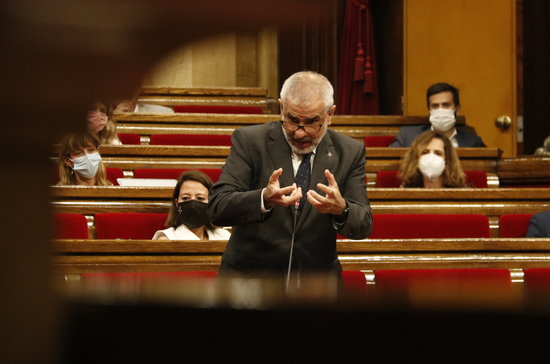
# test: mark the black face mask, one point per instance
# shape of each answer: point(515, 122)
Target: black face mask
point(193, 213)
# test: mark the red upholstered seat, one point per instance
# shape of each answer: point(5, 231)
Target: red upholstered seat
point(128, 225)
point(514, 225)
point(411, 226)
point(218, 109)
point(404, 280)
point(477, 179)
point(129, 138)
point(213, 173)
point(378, 140)
point(70, 226)
point(390, 179)
point(114, 173)
point(537, 280)
point(354, 280)
point(191, 139)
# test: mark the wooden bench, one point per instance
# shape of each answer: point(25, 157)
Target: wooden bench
point(355, 126)
point(491, 202)
point(78, 256)
point(130, 157)
point(232, 96)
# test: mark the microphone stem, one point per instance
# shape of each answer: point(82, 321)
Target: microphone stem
point(296, 206)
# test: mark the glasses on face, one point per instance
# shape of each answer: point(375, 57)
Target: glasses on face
point(308, 125)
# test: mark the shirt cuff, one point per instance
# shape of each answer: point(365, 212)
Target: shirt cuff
point(262, 206)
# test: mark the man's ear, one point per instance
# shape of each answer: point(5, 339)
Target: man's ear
point(330, 113)
point(280, 107)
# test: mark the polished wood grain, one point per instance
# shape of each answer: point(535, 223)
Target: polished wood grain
point(374, 194)
point(491, 202)
point(223, 151)
point(248, 119)
point(76, 256)
point(203, 91)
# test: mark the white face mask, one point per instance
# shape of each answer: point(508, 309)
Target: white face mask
point(442, 119)
point(87, 165)
point(431, 165)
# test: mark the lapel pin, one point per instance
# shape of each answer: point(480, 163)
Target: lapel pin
point(329, 154)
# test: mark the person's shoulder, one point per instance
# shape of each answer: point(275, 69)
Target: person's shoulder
point(167, 233)
point(414, 129)
point(219, 234)
point(545, 215)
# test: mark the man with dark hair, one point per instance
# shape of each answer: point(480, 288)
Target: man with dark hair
point(443, 104)
point(289, 186)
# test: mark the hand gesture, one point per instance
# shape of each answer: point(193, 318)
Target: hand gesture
point(333, 202)
point(275, 195)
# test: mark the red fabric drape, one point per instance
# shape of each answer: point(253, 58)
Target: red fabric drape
point(357, 90)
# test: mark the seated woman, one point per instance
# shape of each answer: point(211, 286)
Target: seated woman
point(99, 123)
point(188, 216)
point(79, 162)
point(431, 162)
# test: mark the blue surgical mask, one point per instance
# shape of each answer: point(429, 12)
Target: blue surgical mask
point(87, 165)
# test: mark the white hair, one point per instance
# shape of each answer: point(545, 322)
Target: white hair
point(303, 87)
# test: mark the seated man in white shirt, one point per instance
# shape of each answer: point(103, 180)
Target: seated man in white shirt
point(443, 104)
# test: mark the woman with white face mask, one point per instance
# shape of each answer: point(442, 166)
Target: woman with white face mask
point(79, 162)
point(431, 162)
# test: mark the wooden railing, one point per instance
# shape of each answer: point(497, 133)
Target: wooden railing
point(521, 170)
point(233, 96)
point(77, 256)
point(356, 126)
point(491, 202)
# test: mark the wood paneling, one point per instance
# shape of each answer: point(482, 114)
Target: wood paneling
point(471, 44)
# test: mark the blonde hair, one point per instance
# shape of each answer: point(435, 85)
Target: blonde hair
point(410, 175)
point(71, 144)
point(107, 135)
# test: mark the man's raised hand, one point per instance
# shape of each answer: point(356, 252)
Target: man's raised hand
point(275, 195)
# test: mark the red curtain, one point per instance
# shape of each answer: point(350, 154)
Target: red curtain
point(357, 90)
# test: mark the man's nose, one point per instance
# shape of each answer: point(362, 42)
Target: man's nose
point(300, 132)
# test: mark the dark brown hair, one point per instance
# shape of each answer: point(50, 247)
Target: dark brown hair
point(192, 175)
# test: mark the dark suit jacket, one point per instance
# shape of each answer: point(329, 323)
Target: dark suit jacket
point(407, 134)
point(260, 242)
point(539, 226)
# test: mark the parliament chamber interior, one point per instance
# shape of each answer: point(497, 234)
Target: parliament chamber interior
point(446, 273)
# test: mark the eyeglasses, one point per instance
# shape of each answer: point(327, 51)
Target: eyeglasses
point(309, 126)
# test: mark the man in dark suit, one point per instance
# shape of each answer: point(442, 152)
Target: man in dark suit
point(262, 193)
point(539, 225)
point(443, 104)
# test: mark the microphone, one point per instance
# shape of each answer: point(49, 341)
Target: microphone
point(296, 207)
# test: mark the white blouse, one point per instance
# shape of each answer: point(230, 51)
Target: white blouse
point(182, 232)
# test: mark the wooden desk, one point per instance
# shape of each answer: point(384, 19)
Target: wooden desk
point(491, 202)
point(235, 96)
point(77, 256)
point(130, 157)
point(355, 126)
